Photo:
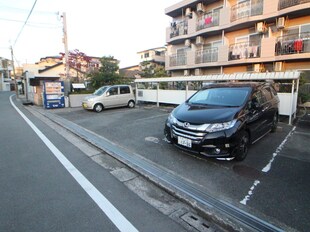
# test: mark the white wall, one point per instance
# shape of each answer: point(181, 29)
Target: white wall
point(179, 96)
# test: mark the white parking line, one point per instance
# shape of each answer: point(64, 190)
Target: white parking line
point(113, 214)
point(267, 167)
point(279, 148)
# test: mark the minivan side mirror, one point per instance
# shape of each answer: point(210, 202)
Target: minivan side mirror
point(108, 93)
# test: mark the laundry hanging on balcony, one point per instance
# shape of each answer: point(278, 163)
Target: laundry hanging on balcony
point(208, 20)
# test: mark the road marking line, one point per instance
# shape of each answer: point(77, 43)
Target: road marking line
point(247, 197)
point(113, 214)
point(267, 167)
point(279, 148)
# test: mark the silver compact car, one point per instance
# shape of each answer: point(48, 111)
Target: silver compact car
point(109, 97)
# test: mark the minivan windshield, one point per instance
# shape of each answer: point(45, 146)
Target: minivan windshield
point(226, 96)
point(100, 91)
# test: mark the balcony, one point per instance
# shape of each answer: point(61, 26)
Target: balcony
point(177, 60)
point(244, 50)
point(178, 28)
point(207, 20)
point(289, 3)
point(206, 55)
point(293, 44)
point(247, 9)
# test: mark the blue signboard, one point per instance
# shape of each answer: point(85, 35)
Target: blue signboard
point(53, 94)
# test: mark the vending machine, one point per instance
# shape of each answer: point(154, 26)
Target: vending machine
point(53, 94)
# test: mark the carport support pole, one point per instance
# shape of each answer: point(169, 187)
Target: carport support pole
point(157, 95)
point(136, 87)
point(186, 91)
point(292, 103)
point(297, 89)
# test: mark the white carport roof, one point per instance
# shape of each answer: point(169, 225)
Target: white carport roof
point(291, 75)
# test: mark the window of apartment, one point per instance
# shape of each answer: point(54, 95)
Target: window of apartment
point(146, 55)
point(297, 30)
point(214, 44)
point(252, 39)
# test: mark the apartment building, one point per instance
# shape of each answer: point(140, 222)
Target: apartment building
point(233, 36)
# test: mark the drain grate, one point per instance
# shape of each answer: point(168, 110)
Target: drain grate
point(197, 222)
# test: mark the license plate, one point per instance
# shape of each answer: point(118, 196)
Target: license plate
point(84, 105)
point(184, 142)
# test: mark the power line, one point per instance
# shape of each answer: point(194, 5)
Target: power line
point(25, 22)
point(33, 24)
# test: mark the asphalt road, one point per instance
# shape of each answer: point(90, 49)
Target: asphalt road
point(39, 193)
point(272, 183)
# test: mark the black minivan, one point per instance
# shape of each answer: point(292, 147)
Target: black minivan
point(223, 119)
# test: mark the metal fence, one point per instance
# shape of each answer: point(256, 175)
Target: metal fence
point(206, 55)
point(293, 44)
point(178, 59)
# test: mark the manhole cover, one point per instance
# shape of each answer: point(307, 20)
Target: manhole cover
point(246, 171)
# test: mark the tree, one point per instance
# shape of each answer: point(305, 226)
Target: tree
point(79, 61)
point(160, 72)
point(107, 74)
point(152, 70)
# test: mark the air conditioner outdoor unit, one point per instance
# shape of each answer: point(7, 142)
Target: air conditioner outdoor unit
point(278, 66)
point(281, 23)
point(200, 7)
point(261, 27)
point(198, 72)
point(188, 12)
point(199, 40)
point(186, 72)
point(187, 43)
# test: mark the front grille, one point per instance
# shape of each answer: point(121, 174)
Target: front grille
point(194, 135)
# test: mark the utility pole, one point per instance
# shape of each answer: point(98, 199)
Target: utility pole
point(15, 82)
point(65, 41)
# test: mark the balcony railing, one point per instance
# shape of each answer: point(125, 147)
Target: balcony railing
point(178, 28)
point(244, 50)
point(288, 3)
point(207, 20)
point(178, 59)
point(247, 9)
point(206, 55)
point(293, 44)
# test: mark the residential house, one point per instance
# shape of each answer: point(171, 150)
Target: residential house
point(131, 72)
point(5, 74)
point(52, 68)
point(152, 58)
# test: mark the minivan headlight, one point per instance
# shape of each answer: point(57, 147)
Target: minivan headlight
point(221, 126)
point(172, 119)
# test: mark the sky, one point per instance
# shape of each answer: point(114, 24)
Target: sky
point(96, 27)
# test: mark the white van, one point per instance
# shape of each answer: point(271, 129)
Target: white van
point(110, 96)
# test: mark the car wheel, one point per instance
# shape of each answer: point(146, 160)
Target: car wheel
point(241, 150)
point(98, 108)
point(274, 124)
point(131, 104)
